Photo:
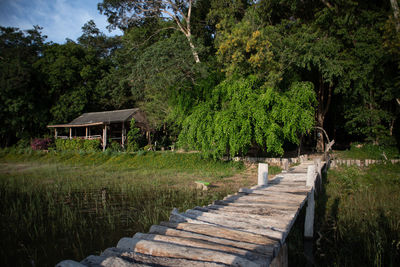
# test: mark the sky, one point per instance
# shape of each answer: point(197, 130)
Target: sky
point(60, 19)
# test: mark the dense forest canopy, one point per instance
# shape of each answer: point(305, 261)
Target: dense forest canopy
point(224, 77)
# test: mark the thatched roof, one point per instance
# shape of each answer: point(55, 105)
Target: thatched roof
point(108, 117)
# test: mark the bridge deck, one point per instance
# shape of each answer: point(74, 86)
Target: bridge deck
point(245, 229)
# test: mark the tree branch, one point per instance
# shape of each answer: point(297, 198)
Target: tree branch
point(327, 4)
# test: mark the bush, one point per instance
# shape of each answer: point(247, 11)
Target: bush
point(133, 137)
point(91, 145)
point(41, 143)
point(114, 146)
point(77, 144)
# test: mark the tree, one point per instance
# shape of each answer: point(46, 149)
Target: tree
point(72, 73)
point(243, 112)
point(124, 13)
point(23, 110)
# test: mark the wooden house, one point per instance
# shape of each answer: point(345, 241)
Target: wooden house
point(104, 125)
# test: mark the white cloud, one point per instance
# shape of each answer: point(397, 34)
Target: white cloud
point(60, 19)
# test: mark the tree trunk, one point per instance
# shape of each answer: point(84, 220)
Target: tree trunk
point(395, 8)
point(324, 101)
point(194, 52)
point(320, 135)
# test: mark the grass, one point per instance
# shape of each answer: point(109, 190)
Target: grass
point(358, 217)
point(368, 151)
point(57, 206)
point(69, 205)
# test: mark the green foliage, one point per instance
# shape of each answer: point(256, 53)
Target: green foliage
point(23, 111)
point(369, 151)
point(241, 113)
point(133, 137)
point(77, 144)
point(359, 215)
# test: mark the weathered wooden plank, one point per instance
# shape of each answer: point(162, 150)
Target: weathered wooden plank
point(273, 193)
point(161, 249)
point(277, 221)
point(267, 211)
point(69, 263)
point(256, 204)
point(144, 259)
point(271, 232)
point(223, 232)
point(192, 242)
point(237, 213)
point(284, 188)
point(290, 199)
point(266, 250)
point(111, 261)
point(281, 203)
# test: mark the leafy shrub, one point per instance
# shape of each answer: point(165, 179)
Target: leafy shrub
point(23, 143)
point(133, 137)
point(114, 146)
point(77, 144)
point(41, 143)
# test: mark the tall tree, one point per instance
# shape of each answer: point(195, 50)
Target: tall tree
point(23, 111)
point(124, 13)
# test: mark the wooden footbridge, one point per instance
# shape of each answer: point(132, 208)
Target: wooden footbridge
point(248, 228)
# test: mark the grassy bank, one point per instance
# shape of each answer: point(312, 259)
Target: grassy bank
point(69, 205)
point(358, 217)
point(369, 151)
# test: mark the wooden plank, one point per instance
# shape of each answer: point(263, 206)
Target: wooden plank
point(161, 249)
point(111, 261)
point(273, 193)
point(290, 198)
point(237, 213)
point(139, 258)
point(288, 189)
point(268, 201)
point(256, 204)
point(251, 210)
point(266, 250)
point(192, 242)
point(222, 232)
point(277, 221)
point(271, 232)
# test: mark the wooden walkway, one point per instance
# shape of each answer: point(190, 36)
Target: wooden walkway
point(248, 228)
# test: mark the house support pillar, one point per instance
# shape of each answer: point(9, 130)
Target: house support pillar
point(86, 133)
point(55, 133)
point(104, 137)
point(123, 135)
point(70, 133)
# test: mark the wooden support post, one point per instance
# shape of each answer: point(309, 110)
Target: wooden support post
point(104, 137)
point(309, 223)
point(281, 260)
point(86, 133)
point(70, 133)
point(318, 167)
point(262, 174)
point(285, 163)
point(55, 133)
point(123, 135)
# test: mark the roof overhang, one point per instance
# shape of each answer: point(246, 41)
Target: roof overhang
point(75, 125)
